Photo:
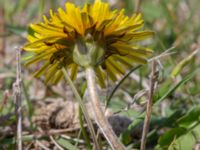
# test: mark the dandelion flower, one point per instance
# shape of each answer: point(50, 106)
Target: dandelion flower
point(93, 36)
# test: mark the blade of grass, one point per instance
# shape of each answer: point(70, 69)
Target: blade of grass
point(20, 5)
point(28, 102)
point(179, 67)
point(119, 83)
point(65, 143)
point(84, 132)
point(41, 9)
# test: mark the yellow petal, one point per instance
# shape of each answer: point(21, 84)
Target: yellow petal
point(137, 36)
point(101, 77)
point(116, 65)
point(74, 70)
point(42, 70)
point(112, 72)
point(58, 77)
point(126, 62)
point(126, 49)
point(51, 71)
point(38, 57)
point(38, 44)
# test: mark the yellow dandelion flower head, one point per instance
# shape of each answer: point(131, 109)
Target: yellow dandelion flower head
point(93, 35)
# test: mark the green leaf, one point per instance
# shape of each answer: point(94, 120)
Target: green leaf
point(169, 136)
point(174, 87)
point(66, 144)
point(126, 138)
point(178, 68)
point(186, 142)
point(117, 104)
point(18, 30)
point(191, 117)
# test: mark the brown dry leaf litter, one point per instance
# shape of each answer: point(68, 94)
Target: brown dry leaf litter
point(62, 115)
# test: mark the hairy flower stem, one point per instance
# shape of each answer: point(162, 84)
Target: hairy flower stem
point(101, 121)
point(85, 112)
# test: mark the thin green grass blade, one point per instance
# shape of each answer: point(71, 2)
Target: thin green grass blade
point(84, 132)
point(119, 83)
point(28, 101)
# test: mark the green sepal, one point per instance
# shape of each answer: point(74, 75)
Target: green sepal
point(87, 53)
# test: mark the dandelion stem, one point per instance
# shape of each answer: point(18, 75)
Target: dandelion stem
point(101, 121)
point(148, 107)
point(85, 112)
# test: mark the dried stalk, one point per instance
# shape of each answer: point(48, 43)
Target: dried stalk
point(2, 30)
point(138, 6)
point(56, 144)
point(100, 119)
point(18, 100)
point(2, 39)
point(148, 107)
point(39, 144)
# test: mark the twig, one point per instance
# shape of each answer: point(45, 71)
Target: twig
point(60, 131)
point(18, 100)
point(28, 147)
point(52, 132)
point(73, 139)
point(137, 5)
point(100, 119)
point(149, 106)
point(167, 52)
point(42, 145)
point(56, 144)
